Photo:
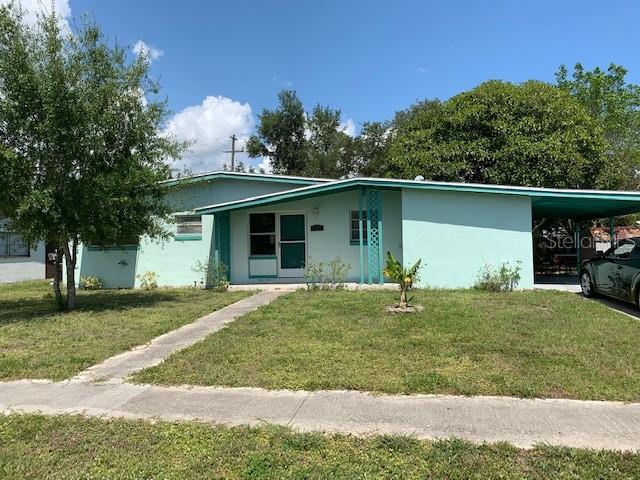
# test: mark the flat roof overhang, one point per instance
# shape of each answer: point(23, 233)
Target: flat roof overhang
point(545, 202)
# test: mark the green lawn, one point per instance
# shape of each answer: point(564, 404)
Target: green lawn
point(526, 344)
point(72, 447)
point(36, 341)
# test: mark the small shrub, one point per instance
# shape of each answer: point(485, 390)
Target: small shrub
point(91, 283)
point(331, 275)
point(148, 280)
point(503, 279)
point(404, 277)
point(214, 274)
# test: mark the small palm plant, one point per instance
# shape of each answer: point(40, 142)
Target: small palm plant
point(404, 277)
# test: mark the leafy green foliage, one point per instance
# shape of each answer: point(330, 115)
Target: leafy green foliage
point(80, 125)
point(90, 282)
point(503, 279)
point(148, 280)
point(501, 133)
point(331, 275)
point(301, 144)
point(616, 105)
point(403, 276)
point(214, 274)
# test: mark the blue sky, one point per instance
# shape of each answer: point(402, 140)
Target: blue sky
point(368, 58)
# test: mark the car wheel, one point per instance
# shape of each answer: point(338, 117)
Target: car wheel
point(586, 285)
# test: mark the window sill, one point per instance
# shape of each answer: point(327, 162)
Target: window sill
point(262, 257)
point(182, 237)
point(357, 243)
point(15, 256)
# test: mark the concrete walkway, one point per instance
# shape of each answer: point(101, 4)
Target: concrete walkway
point(600, 425)
point(117, 368)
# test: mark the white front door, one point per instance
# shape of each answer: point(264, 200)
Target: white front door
point(292, 246)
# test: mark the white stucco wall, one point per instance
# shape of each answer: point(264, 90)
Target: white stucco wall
point(456, 233)
point(17, 269)
point(333, 212)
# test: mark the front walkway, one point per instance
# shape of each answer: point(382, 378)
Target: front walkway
point(117, 368)
point(522, 422)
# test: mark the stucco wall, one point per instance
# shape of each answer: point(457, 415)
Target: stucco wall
point(455, 234)
point(172, 260)
point(333, 212)
point(17, 269)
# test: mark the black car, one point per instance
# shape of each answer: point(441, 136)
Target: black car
point(615, 273)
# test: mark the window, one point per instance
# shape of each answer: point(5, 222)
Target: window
point(189, 224)
point(12, 244)
point(623, 250)
point(355, 227)
point(262, 234)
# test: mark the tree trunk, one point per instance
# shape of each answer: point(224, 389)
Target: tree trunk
point(70, 261)
point(403, 297)
point(57, 277)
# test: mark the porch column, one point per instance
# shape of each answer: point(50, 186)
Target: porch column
point(361, 236)
point(612, 231)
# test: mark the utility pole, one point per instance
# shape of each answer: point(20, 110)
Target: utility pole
point(233, 151)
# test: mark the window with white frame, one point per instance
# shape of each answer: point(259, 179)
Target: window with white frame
point(189, 224)
point(12, 244)
point(262, 234)
point(355, 226)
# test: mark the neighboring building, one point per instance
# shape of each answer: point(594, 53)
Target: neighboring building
point(267, 228)
point(18, 260)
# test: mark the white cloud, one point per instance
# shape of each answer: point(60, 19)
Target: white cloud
point(32, 8)
point(143, 49)
point(209, 126)
point(265, 165)
point(348, 127)
point(422, 69)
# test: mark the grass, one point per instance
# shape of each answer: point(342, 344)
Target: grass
point(525, 344)
point(73, 447)
point(37, 341)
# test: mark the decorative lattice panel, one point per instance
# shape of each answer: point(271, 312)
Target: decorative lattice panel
point(374, 236)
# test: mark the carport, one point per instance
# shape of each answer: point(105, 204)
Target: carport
point(578, 206)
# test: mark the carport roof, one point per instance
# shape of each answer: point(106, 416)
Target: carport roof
point(546, 202)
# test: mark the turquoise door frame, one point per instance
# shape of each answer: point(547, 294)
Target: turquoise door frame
point(221, 244)
point(372, 200)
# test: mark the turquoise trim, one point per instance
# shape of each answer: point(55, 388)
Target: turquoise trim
point(93, 248)
point(222, 240)
point(263, 257)
point(183, 237)
point(360, 234)
point(245, 176)
point(356, 243)
point(563, 203)
point(263, 276)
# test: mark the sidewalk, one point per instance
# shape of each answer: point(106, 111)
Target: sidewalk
point(521, 422)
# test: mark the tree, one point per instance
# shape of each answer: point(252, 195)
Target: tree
point(298, 143)
point(616, 104)
point(371, 150)
point(81, 133)
point(280, 135)
point(531, 134)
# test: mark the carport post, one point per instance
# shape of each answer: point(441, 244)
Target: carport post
point(578, 256)
point(360, 236)
point(612, 231)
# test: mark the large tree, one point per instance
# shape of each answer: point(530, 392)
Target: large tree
point(298, 143)
point(532, 134)
point(80, 128)
point(616, 104)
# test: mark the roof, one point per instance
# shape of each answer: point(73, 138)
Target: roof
point(546, 202)
point(265, 177)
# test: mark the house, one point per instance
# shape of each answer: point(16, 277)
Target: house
point(19, 260)
point(267, 228)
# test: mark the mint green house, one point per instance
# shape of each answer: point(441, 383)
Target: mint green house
point(267, 228)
